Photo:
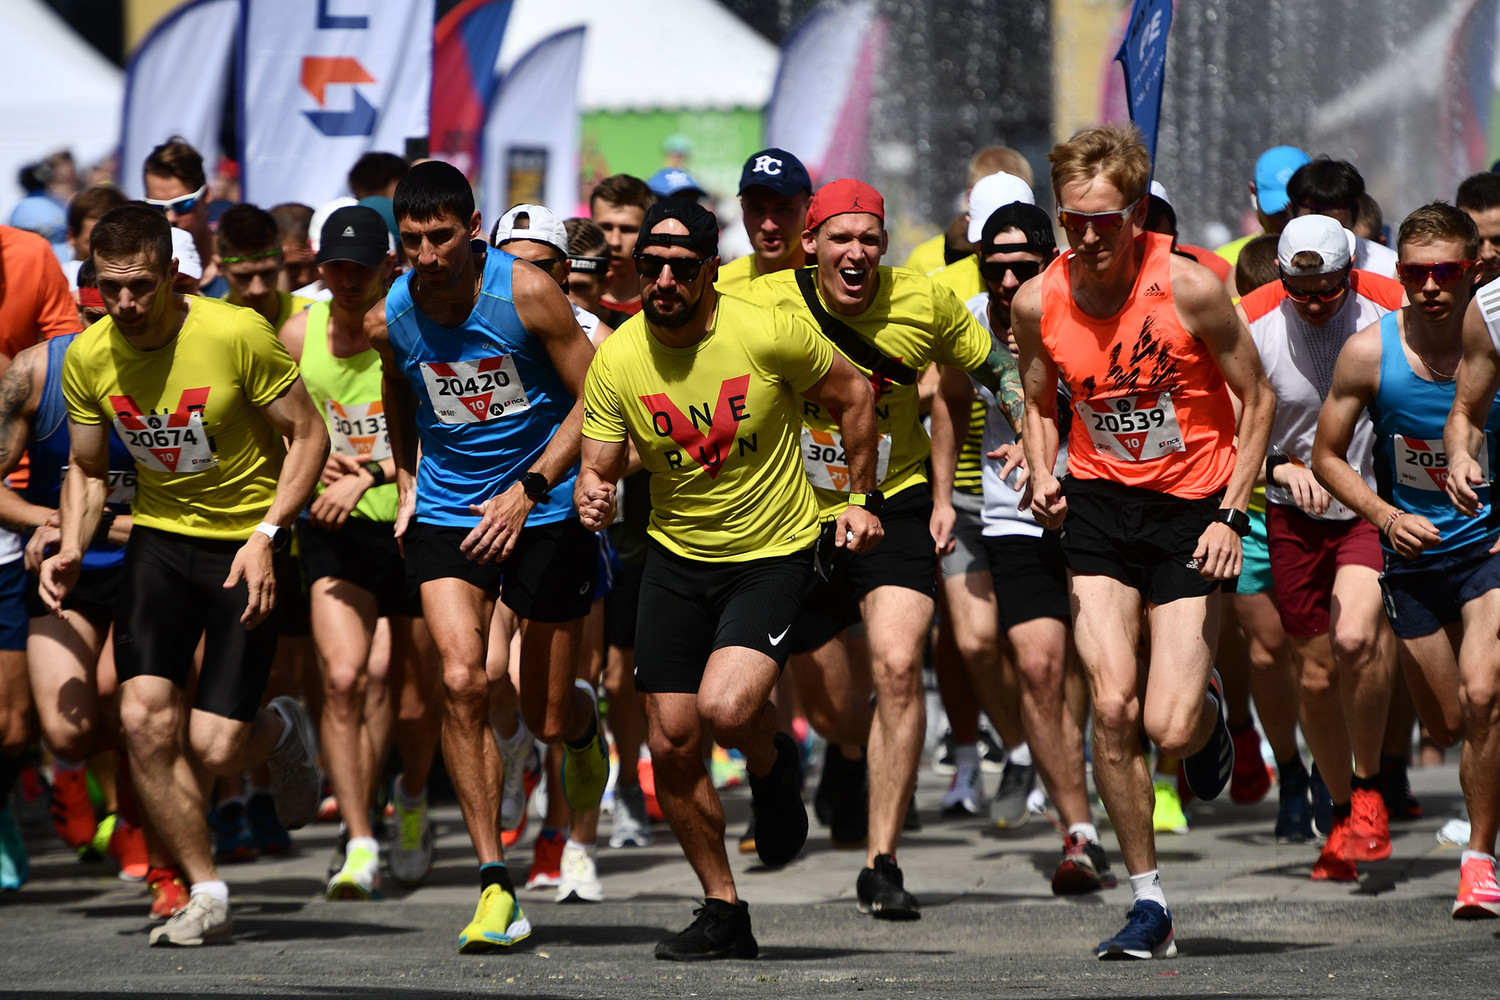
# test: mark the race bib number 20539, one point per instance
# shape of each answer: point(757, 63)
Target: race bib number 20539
point(1132, 428)
point(470, 392)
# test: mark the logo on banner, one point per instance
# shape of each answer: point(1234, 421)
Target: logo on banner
point(320, 72)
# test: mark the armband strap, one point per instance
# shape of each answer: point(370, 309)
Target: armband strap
point(106, 520)
point(376, 471)
point(1386, 531)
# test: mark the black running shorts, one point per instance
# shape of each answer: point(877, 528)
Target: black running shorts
point(548, 577)
point(1031, 578)
point(366, 554)
point(93, 596)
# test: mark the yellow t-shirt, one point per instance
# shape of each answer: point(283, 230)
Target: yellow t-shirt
point(735, 277)
point(912, 319)
point(926, 256)
point(962, 276)
point(290, 305)
point(716, 426)
point(1231, 250)
point(206, 459)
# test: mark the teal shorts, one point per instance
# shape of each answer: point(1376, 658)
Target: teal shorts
point(1255, 572)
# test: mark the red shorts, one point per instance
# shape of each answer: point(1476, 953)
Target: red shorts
point(1305, 556)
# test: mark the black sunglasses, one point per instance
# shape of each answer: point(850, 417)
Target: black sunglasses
point(684, 269)
point(996, 270)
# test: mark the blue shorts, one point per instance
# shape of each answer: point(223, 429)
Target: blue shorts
point(14, 621)
point(1424, 594)
point(1255, 569)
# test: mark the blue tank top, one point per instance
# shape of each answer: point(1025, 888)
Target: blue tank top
point(1411, 468)
point(489, 400)
point(48, 453)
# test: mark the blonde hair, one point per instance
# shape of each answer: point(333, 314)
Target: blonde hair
point(1116, 151)
point(992, 159)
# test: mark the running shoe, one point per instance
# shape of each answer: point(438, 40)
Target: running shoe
point(747, 839)
point(842, 799)
point(72, 811)
point(169, 892)
point(1084, 868)
point(1167, 815)
point(546, 861)
point(340, 849)
point(15, 867)
point(1395, 788)
point(127, 845)
point(233, 841)
point(204, 920)
point(328, 805)
point(719, 930)
point(1455, 832)
point(632, 827)
point(881, 891)
point(1294, 808)
point(776, 801)
point(1322, 803)
point(1008, 810)
point(411, 846)
point(1208, 770)
point(32, 798)
point(521, 761)
point(359, 878)
point(965, 792)
point(944, 762)
point(1147, 934)
point(498, 923)
point(1478, 894)
point(585, 771)
point(1251, 778)
point(1334, 863)
point(992, 755)
point(579, 882)
point(294, 769)
point(1369, 827)
point(98, 845)
point(270, 836)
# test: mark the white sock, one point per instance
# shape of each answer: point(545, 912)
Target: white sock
point(407, 801)
point(1468, 856)
point(1020, 754)
point(585, 848)
point(1089, 831)
point(966, 754)
point(368, 843)
point(1147, 885)
point(217, 889)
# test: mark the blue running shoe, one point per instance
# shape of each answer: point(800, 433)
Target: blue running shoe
point(1322, 804)
point(15, 868)
point(1208, 770)
point(1147, 934)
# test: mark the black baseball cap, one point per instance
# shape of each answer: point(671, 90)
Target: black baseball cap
point(355, 233)
point(1034, 223)
point(775, 169)
point(702, 227)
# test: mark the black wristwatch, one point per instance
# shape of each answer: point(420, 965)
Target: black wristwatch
point(1274, 461)
point(871, 501)
point(376, 471)
point(536, 486)
point(1238, 520)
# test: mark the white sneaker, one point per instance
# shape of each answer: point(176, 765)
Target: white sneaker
point(580, 878)
point(359, 878)
point(1455, 832)
point(631, 826)
point(411, 841)
point(518, 755)
point(204, 920)
point(965, 792)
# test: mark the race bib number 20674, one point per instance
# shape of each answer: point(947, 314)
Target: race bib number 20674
point(469, 392)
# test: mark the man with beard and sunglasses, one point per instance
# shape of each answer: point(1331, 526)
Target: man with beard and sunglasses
point(710, 388)
point(1325, 561)
point(1153, 505)
point(1442, 577)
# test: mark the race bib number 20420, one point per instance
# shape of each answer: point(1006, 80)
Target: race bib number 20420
point(1132, 428)
point(471, 392)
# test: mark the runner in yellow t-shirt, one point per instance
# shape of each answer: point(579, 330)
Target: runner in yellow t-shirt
point(707, 388)
point(202, 393)
point(250, 259)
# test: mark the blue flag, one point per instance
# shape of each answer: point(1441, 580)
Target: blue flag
point(1144, 56)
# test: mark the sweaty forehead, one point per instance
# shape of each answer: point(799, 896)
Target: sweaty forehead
point(126, 267)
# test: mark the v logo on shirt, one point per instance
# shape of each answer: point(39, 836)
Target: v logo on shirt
point(708, 450)
point(164, 436)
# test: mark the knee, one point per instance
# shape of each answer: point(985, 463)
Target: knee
point(1117, 718)
point(725, 715)
point(465, 687)
point(898, 677)
point(218, 749)
point(1041, 673)
point(1352, 648)
point(147, 728)
point(1176, 735)
point(344, 684)
point(1479, 700)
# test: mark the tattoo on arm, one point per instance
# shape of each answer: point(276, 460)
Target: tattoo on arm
point(999, 374)
point(15, 390)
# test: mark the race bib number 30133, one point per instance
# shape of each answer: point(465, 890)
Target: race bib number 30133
point(827, 465)
point(167, 442)
point(358, 429)
point(471, 392)
point(1132, 428)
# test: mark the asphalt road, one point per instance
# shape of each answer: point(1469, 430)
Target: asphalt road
point(1249, 924)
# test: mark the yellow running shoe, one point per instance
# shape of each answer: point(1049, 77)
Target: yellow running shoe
point(498, 923)
point(1168, 816)
point(585, 772)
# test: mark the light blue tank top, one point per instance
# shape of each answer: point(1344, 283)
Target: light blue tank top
point(1411, 467)
point(489, 400)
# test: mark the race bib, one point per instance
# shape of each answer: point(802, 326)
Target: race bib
point(826, 464)
point(1132, 428)
point(358, 429)
point(471, 392)
point(1423, 465)
point(121, 485)
point(167, 442)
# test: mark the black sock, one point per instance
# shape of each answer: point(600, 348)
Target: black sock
point(495, 873)
point(10, 771)
point(1341, 811)
point(1365, 784)
point(1293, 768)
point(1390, 763)
point(582, 743)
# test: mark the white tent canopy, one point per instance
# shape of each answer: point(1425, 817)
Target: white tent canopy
point(669, 54)
point(56, 92)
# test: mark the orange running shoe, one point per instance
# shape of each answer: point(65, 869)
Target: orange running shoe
point(1251, 778)
point(1369, 827)
point(1478, 893)
point(1334, 864)
point(546, 864)
point(72, 812)
point(127, 845)
point(169, 892)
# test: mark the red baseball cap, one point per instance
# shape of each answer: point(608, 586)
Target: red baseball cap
point(842, 196)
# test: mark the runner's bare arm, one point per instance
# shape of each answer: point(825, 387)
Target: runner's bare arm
point(846, 392)
point(1000, 374)
point(601, 464)
point(1039, 434)
point(400, 406)
point(1463, 434)
point(292, 333)
point(84, 490)
point(295, 418)
point(545, 312)
point(20, 391)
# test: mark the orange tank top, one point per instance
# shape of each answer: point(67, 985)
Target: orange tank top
point(1150, 406)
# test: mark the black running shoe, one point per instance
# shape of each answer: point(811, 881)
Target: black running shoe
point(721, 930)
point(1294, 824)
point(842, 799)
point(882, 892)
point(1208, 770)
point(780, 818)
point(1395, 788)
point(1322, 803)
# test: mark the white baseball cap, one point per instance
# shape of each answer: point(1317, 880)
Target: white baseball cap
point(186, 252)
point(1317, 234)
point(540, 225)
point(994, 191)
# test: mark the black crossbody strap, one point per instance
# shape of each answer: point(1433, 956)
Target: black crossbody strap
point(855, 348)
